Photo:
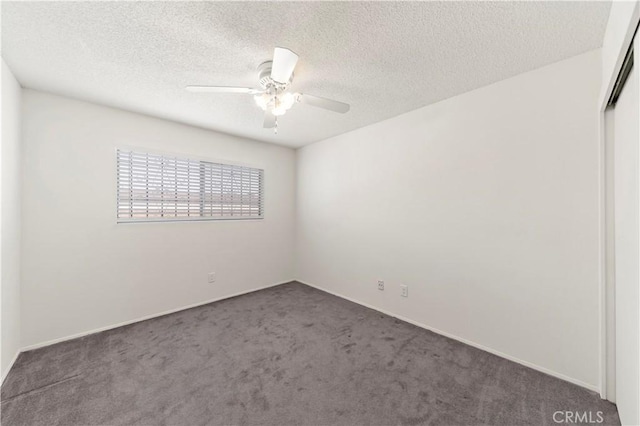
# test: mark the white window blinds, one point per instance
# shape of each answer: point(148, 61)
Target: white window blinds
point(159, 187)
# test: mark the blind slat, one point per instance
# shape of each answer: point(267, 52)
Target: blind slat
point(158, 187)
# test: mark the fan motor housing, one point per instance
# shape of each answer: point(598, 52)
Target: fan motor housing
point(265, 80)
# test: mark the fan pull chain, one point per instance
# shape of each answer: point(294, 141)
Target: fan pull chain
point(275, 104)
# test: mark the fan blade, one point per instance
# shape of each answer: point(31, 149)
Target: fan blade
point(284, 61)
point(223, 89)
point(325, 103)
point(269, 120)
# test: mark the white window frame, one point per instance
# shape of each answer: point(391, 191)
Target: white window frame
point(183, 157)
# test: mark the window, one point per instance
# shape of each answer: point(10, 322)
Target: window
point(160, 187)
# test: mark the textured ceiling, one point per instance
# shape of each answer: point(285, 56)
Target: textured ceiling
point(382, 58)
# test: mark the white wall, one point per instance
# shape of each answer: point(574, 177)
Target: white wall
point(82, 271)
point(485, 204)
point(10, 221)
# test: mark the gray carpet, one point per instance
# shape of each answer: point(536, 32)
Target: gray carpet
point(288, 355)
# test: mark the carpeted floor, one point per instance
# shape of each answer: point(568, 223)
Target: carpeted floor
point(288, 355)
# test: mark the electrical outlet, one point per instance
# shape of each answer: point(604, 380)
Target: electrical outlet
point(404, 290)
point(212, 277)
point(380, 285)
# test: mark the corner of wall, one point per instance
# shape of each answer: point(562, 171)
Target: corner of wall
point(10, 220)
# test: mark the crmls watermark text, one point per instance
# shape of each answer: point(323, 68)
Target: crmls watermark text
point(578, 417)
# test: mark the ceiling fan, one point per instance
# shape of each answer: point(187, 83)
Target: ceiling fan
point(273, 97)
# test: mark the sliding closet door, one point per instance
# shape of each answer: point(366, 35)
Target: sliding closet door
point(627, 251)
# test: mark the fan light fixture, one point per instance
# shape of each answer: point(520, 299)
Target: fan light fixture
point(277, 104)
point(275, 78)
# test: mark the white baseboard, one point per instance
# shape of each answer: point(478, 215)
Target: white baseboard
point(465, 341)
point(147, 317)
point(13, 361)
point(416, 323)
